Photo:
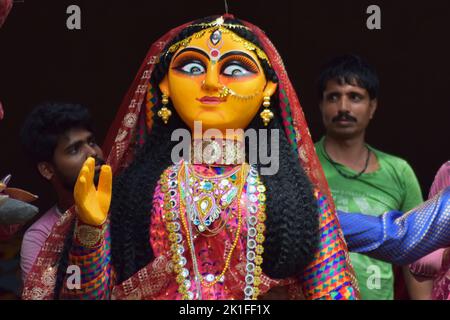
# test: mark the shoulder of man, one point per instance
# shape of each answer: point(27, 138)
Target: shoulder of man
point(390, 159)
point(43, 225)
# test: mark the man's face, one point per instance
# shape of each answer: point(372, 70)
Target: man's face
point(346, 109)
point(72, 150)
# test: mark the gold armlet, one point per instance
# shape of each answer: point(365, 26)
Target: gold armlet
point(89, 236)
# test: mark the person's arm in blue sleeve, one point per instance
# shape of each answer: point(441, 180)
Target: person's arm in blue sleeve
point(400, 238)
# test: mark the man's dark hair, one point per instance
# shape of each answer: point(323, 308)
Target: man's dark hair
point(349, 69)
point(47, 123)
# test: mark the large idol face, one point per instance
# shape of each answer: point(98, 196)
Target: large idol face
point(216, 80)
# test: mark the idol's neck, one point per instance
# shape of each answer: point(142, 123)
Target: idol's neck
point(217, 152)
point(237, 135)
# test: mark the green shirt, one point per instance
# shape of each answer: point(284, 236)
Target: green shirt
point(393, 186)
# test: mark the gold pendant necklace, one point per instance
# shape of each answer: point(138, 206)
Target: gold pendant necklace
point(235, 241)
point(211, 197)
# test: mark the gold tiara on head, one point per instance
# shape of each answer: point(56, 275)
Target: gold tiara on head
point(219, 24)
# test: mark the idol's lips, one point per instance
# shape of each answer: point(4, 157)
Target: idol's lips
point(211, 100)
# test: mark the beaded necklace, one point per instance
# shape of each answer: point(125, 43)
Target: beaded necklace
point(176, 212)
point(342, 173)
point(191, 241)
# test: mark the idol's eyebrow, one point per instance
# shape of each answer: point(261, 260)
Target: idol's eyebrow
point(192, 49)
point(239, 53)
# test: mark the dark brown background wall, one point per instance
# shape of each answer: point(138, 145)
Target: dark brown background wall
point(40, 59)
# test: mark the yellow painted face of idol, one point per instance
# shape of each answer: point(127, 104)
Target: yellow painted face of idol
point(217, 81)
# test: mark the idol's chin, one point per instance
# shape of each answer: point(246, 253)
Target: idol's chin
point(221, 126)
point(210, 122)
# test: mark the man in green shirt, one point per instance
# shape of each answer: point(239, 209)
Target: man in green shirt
point(361, 178)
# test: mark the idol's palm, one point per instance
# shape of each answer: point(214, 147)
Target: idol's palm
point(93, 203)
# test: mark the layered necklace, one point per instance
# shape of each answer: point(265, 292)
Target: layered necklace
point(208, 196)
point(342, 173)
point(193, 202)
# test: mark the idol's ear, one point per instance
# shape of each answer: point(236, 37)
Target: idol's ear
point(164, 86)
point(270, 88)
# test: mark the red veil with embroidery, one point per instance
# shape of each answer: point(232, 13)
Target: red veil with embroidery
point(318, 282)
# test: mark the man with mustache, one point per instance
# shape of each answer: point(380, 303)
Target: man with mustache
point(58, 138)
point(361, 178)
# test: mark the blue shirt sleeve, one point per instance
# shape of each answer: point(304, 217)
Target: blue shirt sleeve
point(400, 238)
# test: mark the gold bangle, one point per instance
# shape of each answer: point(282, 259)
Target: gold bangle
point(89, 236)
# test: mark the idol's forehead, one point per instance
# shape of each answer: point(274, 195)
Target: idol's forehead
point(218, 41)
point(222, 39)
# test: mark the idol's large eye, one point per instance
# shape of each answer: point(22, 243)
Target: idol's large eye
point(239, 66)
point(235, 70)
point(192, 68)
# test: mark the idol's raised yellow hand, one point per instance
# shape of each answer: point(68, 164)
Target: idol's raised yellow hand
point(93, 203)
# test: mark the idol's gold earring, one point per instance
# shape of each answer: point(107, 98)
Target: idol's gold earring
point(266, 115)
point(164, 113)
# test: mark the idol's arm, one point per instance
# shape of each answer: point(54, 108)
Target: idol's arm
point(330, 276)
point(89, 274)
point(400, 238)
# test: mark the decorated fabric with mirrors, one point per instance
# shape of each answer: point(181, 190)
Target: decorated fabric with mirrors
point(215, 229)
